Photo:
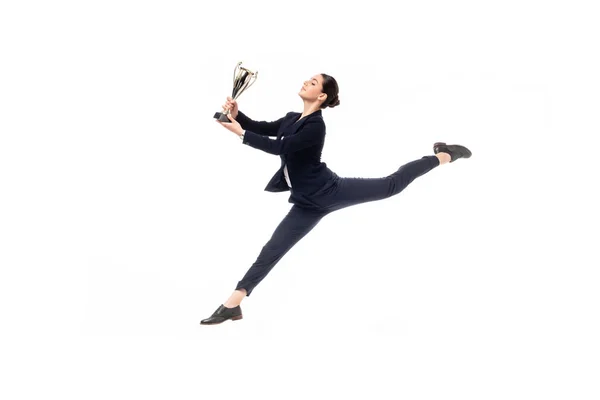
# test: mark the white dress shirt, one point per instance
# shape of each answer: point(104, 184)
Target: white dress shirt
point(287, 177)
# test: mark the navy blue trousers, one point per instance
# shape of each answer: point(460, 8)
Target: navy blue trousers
point(343, 193)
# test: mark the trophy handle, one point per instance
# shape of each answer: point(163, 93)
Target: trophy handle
point(254, 77)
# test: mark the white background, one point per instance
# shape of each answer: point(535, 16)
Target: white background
point(128, 214)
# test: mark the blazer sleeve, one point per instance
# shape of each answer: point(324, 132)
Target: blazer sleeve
point(310, 134)
point(260, 127)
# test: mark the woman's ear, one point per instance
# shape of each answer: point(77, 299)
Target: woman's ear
point(323, 97)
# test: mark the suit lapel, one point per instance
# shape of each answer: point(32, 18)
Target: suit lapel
point(294, 124)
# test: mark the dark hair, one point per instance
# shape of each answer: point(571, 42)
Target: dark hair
point(331, 89)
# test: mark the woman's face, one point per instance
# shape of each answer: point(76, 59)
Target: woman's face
point(312, 89)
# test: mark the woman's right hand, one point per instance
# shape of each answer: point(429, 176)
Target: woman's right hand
point(232, 105)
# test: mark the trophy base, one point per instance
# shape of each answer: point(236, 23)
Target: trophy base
point(221, 117)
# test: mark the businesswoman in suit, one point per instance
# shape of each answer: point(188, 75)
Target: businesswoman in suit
point(315, 190)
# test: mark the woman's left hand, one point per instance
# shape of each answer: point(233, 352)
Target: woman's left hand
point(233, 126)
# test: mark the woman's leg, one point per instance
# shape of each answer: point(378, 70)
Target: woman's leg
point(353, 191)
point(296, 224)
point(300, 221)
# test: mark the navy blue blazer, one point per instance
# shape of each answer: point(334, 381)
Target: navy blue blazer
point(299, 143)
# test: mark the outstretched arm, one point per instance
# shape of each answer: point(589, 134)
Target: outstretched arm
point(259, 127)
point(310, 134)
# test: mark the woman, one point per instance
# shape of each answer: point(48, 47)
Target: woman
point(315, 190)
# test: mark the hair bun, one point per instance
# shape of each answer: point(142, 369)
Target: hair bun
point(334, 102)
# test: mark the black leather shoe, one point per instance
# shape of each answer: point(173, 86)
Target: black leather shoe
point(456, 151)
point(222, 314)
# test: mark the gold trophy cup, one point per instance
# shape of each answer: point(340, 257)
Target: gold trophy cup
point(243, 78)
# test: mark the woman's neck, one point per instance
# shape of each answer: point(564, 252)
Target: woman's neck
point(309, 108)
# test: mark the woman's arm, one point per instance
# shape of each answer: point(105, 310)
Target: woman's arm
point(259, 127)
point(310, 134)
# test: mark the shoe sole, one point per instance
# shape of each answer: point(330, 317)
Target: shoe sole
point(217, 323)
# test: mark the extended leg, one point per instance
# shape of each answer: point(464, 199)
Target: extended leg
point(296, 224)
point(353, 191)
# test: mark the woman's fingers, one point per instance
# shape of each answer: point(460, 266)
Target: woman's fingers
point(230, 104)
